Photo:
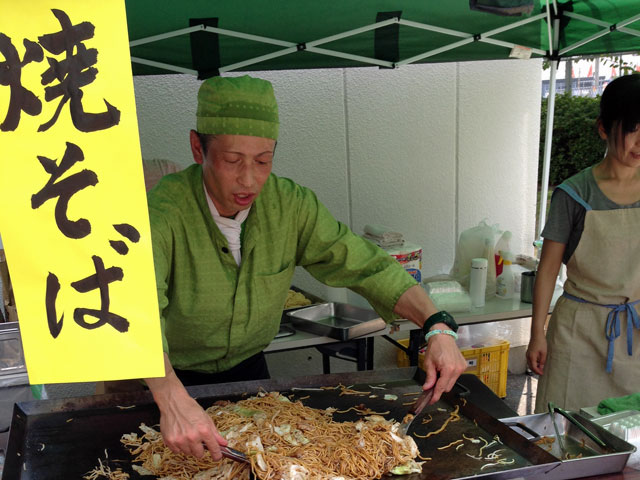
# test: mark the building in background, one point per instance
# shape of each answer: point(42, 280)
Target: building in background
point(589, 76)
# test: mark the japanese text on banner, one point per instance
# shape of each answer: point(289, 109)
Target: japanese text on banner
point(73, 211)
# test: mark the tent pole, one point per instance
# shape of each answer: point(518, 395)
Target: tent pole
point(551, 104)
point(544, 188)
point(596, 72)
point(549, 25)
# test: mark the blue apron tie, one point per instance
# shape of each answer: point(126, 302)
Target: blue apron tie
point(612, 328)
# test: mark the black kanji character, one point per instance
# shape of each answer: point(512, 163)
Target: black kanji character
point(101, 281)
point(53, 287)
point(65, 189)
point(73, 73)
point(127, 231)
point(20, 99)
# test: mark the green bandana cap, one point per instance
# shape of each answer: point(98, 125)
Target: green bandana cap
point(237, 106)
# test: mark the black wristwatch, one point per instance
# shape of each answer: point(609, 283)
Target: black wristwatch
point(439, 317)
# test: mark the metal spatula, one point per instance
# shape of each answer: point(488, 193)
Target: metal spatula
point(422, 401)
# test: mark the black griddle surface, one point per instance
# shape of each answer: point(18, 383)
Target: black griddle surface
point(63, 439)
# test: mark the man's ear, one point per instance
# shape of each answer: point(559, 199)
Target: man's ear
point(196, 147)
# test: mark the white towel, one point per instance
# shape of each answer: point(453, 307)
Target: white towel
point(383, 236)
point(231, 228)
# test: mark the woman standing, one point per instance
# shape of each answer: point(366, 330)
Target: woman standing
point(592, 348)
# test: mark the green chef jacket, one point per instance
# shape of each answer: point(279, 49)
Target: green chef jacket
point(215, 314)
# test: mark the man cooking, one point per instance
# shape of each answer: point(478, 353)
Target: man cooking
point(227, 236)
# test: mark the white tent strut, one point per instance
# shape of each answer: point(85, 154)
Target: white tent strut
point(620, 26)
point(312, 46)
point(551, 102)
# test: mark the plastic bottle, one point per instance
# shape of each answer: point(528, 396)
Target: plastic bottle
point(478, 281)
point(505, 282)
point(502, 245)
point(490, 291)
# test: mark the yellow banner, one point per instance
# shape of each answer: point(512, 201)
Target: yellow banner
point(73, 209)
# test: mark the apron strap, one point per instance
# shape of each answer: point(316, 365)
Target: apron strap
point(612, 328)
point(572, 193)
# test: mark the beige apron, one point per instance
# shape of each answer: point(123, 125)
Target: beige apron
point(603, 273)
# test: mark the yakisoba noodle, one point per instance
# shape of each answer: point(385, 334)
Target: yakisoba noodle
point(296, 299)
point(284, 440)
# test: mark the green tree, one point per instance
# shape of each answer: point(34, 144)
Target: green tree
point(576, 143)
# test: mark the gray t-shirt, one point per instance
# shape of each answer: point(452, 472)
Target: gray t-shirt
point(565, 222)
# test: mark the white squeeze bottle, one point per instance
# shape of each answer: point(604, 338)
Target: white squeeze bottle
point(502, 245)
point(478, 281)
point(505, 281)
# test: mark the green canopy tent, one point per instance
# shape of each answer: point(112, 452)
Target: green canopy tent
point(206, 37)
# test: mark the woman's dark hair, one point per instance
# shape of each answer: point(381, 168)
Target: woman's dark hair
point(620, 107)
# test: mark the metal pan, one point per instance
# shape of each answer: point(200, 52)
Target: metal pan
point(337, 320)
point(594, 459)
point(315, 300)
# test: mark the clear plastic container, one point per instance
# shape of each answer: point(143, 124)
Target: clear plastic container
point(627, 428)
point(624, 424)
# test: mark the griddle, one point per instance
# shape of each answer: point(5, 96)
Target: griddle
point(63, 439)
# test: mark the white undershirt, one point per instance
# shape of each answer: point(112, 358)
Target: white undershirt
point(231, 228)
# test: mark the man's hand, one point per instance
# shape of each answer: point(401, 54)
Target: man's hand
point(443, 363)
point(185, 426)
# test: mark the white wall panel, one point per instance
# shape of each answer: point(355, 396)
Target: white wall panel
point(402, 131)
point(312, 147)
point(498, 134)
point(166, 107)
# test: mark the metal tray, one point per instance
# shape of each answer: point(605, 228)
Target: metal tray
point(337, 320)
point(594, 460)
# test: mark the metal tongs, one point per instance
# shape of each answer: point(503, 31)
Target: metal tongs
point(234, 454)
point(422, 401)
point(552, 410)
point(574, 421)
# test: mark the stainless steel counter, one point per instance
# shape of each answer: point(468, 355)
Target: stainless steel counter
point(13, 370)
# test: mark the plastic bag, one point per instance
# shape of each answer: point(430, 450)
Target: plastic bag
point(454, 302)
point(476, 242)
point(446, 286)
point(448, 295)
